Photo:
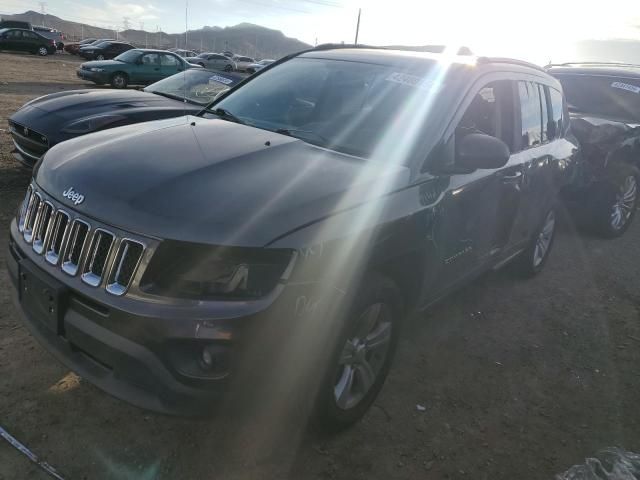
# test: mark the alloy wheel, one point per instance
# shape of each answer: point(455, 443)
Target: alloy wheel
point(100, 57)
point(543, 242)
point(42, 51)
point(363, 356)
point(625, 203)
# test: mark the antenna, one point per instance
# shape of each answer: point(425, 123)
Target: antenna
point(358, 26)
point(184, 71)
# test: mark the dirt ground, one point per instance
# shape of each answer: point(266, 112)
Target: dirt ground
point(519, 379)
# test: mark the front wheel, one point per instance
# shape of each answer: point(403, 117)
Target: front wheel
point(614, 205)
point(532, 259)
point(228, 68)
point(43, 52)
point(363, 355)
point(119, 80)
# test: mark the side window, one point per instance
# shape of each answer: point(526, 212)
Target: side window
point(168, 60)
point(557, 113)
point(150, 59)
point(14, 35)
point(490, 112)
point(531, 114)
point(30, 35)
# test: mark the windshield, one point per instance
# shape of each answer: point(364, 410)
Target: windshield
point(345, 106)
point(612, 97)
point(130, 56)
point(195, 85)
point(100, 44)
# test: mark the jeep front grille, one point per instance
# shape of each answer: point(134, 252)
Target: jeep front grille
point(72, 244)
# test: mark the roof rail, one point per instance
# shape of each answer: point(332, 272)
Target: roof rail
point(511, 61)
point(614, 64)
point(463, 51)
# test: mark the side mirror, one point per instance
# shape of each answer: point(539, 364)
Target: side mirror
point(477, 150)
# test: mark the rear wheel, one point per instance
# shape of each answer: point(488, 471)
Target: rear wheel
point(119, 80)
point(228, 68)
point(100, 57)
point(614, 204)
point(42, 51)
point(532, 260)
point(363, 355)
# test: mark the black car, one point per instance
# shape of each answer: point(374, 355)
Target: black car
point(270, 247)
point(604, 103)
point(104, 51)
point(22, 40)
point(46, 121)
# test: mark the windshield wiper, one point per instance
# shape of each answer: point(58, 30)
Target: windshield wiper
point(168, 95)
point(303, 135)
point(225, 115)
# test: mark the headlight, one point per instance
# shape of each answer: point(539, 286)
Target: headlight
point(96, 69)
point(202, 272)
point(91, 124)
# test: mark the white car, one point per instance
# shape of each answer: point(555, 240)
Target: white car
point(243, 62)
point(254, 67)
point(213, 61)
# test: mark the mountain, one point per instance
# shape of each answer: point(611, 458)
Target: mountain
point(244, 38)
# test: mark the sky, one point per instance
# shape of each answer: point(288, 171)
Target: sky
point(534, 30)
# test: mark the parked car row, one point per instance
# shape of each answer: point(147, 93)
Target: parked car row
point(279, 236)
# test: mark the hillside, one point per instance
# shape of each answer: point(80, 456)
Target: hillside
point(244, 38)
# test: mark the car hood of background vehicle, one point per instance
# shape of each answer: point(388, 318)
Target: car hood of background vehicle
point(213, 182)
point(106, 64)
point(49, 114)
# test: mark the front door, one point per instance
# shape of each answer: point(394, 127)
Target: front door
point(147, 70)
point(169, 65)
point(474, 220)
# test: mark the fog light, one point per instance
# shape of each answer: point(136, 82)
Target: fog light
point(208, 358)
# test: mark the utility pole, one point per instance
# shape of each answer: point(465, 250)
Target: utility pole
point(82, 31)
point(142, 26)
point(358, 26)
point(42, 5)
point(125, 23)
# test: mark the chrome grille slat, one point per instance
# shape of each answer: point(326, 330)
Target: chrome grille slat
point(76, 240)
point(57, 235)
point(125, 263)
point(97, 256)
point(42, 226)
point(70, 243)
point(23, 209)
point(31, 217)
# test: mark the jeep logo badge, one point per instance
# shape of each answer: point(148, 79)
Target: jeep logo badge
point(74, 196)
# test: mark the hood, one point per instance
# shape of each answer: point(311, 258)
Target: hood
point(102, 64)
point(49, 114)
point(210, 181)
point(603, 132)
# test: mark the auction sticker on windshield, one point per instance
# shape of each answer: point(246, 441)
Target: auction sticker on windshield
point(626, 86)
point(410, 80)
point(220, 79)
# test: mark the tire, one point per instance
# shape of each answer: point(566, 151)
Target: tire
point(614, 203)
point(228, 68)
point(356, 373)
point(60, 46)
point(531, 262)
point(100, 57)
point(119, 80)
point(42, 51)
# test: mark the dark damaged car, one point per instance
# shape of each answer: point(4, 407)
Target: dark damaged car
point(270, 248)
point(46, 121)
point(604, 104)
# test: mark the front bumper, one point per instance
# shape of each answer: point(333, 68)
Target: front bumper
point(97, 77)
point(29, 146)
point(145, 353)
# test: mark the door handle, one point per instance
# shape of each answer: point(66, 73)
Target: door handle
point(515, 178)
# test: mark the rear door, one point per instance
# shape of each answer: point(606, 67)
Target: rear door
point(14, 40)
